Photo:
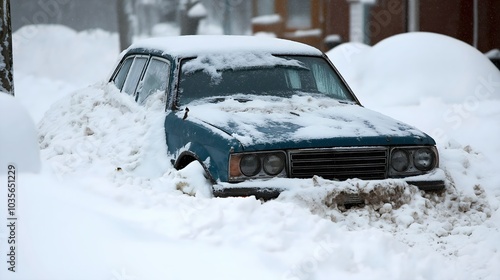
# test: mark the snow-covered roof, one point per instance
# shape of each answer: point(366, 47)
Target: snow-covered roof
point(194, 45)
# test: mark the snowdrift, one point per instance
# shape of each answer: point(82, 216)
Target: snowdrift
point(407, 68)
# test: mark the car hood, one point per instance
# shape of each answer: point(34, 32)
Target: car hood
point(303, 121)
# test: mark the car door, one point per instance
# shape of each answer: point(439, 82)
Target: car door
point(121, 74)
point(134, 74)
point(155, 79)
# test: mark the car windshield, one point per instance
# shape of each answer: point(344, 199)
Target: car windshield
point(284, 76)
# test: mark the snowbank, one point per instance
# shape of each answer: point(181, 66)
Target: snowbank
point(18, 140)
point(60, 53)
point(348, 58)
point(101, 125)
point(407, 68)
point(442, 86)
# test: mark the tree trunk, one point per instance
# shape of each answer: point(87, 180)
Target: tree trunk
point(6, 62)
point(125, 29)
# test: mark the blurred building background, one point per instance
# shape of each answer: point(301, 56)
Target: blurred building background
point(321, 23)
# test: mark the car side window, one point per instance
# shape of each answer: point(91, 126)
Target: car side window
point(327, 83)
point(134, 75)
point(122, 73)
point(155, 79)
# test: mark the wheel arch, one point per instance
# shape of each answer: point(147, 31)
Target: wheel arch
point(188, 156)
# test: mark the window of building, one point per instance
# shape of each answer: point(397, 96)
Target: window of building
point(264, 7)
point(299, 14)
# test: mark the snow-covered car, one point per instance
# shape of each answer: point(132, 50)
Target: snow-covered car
point(257, 112)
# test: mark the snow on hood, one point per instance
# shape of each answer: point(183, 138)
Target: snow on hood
point(272, 119)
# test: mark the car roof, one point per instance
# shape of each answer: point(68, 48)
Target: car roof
point(194, 45)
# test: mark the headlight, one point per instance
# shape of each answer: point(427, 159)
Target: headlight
point(250, 165)
point(412, 160)
point(273, 164)
point(423, 159)
point(257, 165)
point(400, 160)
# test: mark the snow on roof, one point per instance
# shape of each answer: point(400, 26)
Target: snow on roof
point(193, 45)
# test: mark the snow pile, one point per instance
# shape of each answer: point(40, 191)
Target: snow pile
point(348, 59)
point(18, 144)
point(392, 205)
point(440, 85)
point(101, 126)
point(406, 68)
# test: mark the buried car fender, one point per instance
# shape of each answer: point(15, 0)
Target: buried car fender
point(192, 139)
point(198, 153)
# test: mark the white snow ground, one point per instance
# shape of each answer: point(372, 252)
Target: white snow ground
point(107, 205)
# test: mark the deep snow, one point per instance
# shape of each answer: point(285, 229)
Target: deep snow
point(108, 205)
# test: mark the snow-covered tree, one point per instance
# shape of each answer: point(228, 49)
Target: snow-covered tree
point(6, 69)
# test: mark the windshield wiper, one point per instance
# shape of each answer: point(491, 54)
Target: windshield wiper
point(222, 99)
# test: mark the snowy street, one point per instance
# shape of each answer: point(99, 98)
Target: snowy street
point(107, 203)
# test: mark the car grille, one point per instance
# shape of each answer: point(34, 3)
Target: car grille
point(339, 164)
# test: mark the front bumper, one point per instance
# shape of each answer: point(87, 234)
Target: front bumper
point(270, 189)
